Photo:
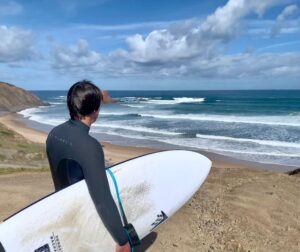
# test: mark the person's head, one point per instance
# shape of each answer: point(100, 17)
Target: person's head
point(84, 99)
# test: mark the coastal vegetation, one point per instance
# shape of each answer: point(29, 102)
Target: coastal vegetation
point(19, 154)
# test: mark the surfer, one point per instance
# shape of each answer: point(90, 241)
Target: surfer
point(74, 155)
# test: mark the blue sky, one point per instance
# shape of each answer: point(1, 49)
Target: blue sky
point(130, 44)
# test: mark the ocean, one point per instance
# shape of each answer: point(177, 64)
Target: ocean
point(261, 126)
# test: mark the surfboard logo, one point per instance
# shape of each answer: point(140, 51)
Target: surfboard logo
point(56, 243)
point(56, 246)
point(44, 248)
point(161, 217)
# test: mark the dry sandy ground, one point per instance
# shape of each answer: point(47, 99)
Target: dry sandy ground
point(237, 209)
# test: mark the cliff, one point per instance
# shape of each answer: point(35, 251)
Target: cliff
point(14, 99)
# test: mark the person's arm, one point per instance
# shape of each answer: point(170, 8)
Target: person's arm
point(96, 180)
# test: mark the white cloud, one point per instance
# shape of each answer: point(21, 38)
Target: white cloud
point(281, 18)
point(228, 66)
point(187, 48)
point(225, 21)
point(76, 56)
point(159, 46)
point(249, 65)
point(124, 27)
point(8, 7)
point(119, 63)
point(199, 38)
point(15, 44)
point(73, 6)
point(262, 28)
point(287, 11)
point(285, 44)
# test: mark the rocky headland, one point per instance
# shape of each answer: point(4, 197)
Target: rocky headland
point(13, 99)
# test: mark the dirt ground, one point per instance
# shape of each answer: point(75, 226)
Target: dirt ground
point(235, 210)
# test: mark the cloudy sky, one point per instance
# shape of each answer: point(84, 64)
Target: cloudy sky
point(135, 44)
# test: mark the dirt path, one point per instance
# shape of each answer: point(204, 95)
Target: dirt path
point(20, 189)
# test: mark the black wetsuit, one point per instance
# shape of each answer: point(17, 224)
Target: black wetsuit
point(74, 155)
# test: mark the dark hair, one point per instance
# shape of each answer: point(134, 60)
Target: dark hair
point(83, 98)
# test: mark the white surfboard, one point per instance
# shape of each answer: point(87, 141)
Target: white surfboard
point(151, 187)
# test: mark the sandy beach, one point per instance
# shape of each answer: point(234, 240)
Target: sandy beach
point(240, 207)
point(113, 153)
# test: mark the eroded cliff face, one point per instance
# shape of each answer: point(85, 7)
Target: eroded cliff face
point(14, 99)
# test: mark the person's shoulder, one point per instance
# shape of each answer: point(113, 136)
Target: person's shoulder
point(94, 143)
point(58, 128)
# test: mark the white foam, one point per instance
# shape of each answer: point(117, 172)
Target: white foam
point(133, 106)
point(48, 121)
point(257, 141)
point(138, 129)
point(161, 102)
point(259, 153)
point(61, 97)
point(133, 99)
point(193, 144)
point(294, 113)
point(267, 120)
point(31, 111)
point(118, 134)
point(57, 103)
point(44, 119)
point(117, 113)
point(176, 101)
point(189, 100)
point(52, 122)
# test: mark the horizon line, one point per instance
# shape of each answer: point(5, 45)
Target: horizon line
point(277, 89)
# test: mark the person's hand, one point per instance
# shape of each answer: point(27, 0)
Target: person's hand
point(124, 248)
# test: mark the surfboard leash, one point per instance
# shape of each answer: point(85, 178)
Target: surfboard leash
point(129, 229)
point(118, 196)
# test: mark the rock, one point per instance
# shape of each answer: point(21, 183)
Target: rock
point(107, 98)
point(295, 172)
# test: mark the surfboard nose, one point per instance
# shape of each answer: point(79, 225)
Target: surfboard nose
point(188, 174)
point(153, 187)
point(198, 167)
point(178, 177)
